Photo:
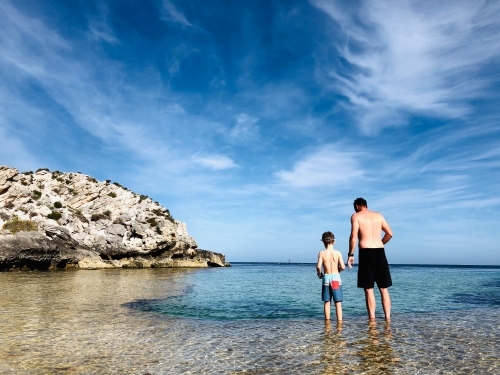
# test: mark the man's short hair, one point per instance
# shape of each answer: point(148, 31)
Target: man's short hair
point(360, 202)
point(328, 237)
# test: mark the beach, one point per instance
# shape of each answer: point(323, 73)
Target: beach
point(152, 321)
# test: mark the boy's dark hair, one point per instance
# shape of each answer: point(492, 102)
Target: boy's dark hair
point(360, 202)
point(328, 237)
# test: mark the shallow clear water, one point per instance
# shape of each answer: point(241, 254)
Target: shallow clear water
point(251, 319)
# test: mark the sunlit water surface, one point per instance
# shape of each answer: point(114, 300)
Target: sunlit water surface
point(247, 319)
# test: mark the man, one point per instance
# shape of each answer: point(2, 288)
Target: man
point(366, 226)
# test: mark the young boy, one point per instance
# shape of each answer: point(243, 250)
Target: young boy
point(332, 263)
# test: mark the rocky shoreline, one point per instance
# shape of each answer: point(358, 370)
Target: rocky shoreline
point(54, 220)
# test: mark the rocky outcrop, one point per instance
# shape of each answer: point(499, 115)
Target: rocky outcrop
point(82, 223)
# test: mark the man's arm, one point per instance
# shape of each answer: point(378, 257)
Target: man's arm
point(318, 266)
point(352, 239)
point(387, 231)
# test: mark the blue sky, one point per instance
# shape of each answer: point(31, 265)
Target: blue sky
point(259, 122)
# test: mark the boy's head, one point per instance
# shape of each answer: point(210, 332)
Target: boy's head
point(328, 238)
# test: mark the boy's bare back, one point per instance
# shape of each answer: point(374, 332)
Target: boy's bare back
point(331, 260)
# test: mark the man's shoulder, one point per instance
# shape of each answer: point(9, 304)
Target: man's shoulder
point(374, 213)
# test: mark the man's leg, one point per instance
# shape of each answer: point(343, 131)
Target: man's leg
point(386, 302)
point(326, 308)
point(370, 303)
point(338, 311)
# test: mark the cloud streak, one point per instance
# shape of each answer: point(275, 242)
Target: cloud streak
point(413, 58)
point(325, 167)
point(216, 162)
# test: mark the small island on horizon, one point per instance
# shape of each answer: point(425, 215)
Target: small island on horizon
point(56, 220)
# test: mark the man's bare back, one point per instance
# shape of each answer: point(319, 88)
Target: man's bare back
point(366, 227)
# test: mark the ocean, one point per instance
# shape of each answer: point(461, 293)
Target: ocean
point(252, 318)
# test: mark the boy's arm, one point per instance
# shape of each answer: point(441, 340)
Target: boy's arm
point(318, 266)
point(341, 263)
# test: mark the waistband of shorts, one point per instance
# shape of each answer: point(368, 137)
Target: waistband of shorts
point(372, 248)
point(331, 276)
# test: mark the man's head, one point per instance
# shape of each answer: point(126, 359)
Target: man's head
point(359, 203)
point(328, 238)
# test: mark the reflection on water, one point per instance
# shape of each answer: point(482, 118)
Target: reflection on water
point(81, 323)
point(375, 351)
point(370, 352)
point(334, 349)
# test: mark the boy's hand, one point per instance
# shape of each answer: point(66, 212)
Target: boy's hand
point(320, 275)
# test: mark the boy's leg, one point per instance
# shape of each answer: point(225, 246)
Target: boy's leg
point(338, 311)
point(326, 308)
point(386, 302)
point(370, 303)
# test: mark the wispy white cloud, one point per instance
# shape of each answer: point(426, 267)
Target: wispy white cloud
point(106, 106)
point(413, 57)
point(245, 128)
point(14, 153)
point(101, 31)
point(172, 14)
point(217, 162)
point(328, 166)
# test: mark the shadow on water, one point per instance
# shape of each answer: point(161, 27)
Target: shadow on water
point(485, 299)
point(181, 306)
point(488, 295)
point(495, 283)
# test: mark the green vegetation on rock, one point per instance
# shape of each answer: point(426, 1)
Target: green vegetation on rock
point(165, 214)
point(152, 222)
point(101, 216)
point(54, 215)
point(57, 204)
point(79, 215)
point(15, 225)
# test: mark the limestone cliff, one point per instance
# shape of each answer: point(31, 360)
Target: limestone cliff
point(53, 220)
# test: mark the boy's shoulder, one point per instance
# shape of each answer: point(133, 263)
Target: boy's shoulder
point(327, 251)
point(337, 253)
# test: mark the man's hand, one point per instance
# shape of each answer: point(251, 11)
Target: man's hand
point(350, 262)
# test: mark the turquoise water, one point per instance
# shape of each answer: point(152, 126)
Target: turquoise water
point(247, 319)
point(292, 291)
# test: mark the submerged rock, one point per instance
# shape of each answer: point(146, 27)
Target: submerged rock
point(77, 222)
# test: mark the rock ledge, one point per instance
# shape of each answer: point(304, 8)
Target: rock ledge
point(76, 222)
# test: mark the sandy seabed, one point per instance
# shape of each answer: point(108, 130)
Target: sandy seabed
point(81, 323)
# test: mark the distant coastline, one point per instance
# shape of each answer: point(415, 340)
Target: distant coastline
point(395, 265)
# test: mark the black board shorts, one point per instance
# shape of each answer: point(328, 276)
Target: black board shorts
point(373, 268)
